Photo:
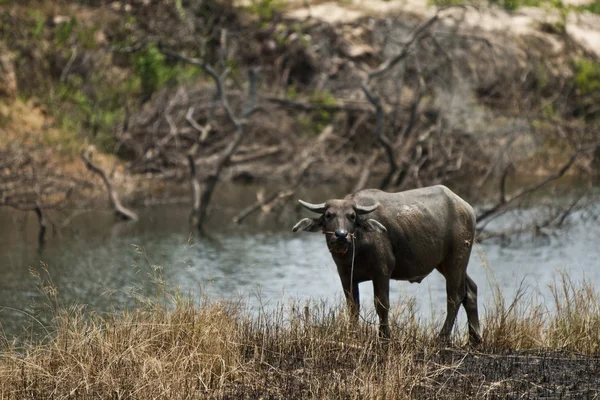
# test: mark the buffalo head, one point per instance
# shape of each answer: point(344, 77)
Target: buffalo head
point(340, 220)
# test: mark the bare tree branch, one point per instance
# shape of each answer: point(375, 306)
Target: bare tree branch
point(195, 186)
point(113, 196)
point(505, 201)
point(538, 226)
point(503, 184)
point(476, 189)
point(266, 203)
point(239, 123)
point(366, 171)
point(376, 100)
point(416, 35)
point(202, 130)
point(341, 106)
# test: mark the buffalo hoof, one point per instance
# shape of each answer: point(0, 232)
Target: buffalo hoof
point(475, 340)
point(444, 340)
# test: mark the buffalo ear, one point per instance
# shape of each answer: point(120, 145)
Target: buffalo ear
point(372, 225)
point(308, 224)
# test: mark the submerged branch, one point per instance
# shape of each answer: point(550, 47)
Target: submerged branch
point(121, 211)
point(42, 232)
point(505, 200)
point(278, 196)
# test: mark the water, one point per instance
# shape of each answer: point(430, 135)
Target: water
point(98, 262)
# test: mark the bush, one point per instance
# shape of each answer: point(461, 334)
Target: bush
point(587, 76)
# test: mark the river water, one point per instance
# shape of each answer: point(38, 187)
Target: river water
point(98, 262)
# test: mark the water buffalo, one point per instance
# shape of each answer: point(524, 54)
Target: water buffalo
point(374, 236)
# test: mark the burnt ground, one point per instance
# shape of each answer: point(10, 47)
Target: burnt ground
point(442, 374)
point(519, 375)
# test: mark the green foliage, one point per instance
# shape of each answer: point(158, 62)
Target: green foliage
point(86, 37)
point(152, 71)
point(513, 5)
point(510, 4)
point(447, 3)
point(557, 27)
point(593, 7)
point(291, 34)
point(291, 92)
point(266, 10)
point(180, 9)
point(541, 76)
point(63, 31)
point(532, 3)
point(323, 98)
point(89, 109)
point(149, 65)
point(564, 15)
point(587, 76)
point(548, 111)
point(314, 124)
point(234, 67)
point(93, 106)
point(507, 4)
point(81, 113)
point(38, 25)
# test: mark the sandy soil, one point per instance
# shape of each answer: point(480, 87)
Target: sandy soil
point(584, 28)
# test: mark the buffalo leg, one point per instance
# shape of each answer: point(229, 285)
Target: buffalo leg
point(470, 305)
point(454, 270)
point(455, 297)
point(352, 298)
point(381, 288)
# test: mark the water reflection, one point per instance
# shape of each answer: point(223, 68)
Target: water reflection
point(261, 261)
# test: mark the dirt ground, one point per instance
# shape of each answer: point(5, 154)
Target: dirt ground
point(523, 375)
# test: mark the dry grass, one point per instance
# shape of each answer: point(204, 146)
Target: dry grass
point(172, 348)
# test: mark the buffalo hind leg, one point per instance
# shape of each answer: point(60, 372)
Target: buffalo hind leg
point(460, 289)
point(455, 292)
point(352, 298)
point(381, 289)
point(454, 269)
point(470, 305)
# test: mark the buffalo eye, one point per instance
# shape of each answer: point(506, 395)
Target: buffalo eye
point(352, 216)
point(328, 215)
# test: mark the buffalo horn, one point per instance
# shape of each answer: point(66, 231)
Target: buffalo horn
point(317, 208)
point(365, 209)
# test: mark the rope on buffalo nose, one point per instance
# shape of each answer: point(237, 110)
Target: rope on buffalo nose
point(352, 267)
point(353, 236)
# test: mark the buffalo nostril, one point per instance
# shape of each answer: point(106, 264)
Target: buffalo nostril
point(341, 233)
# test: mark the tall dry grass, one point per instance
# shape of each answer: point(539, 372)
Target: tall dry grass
point(173, 348)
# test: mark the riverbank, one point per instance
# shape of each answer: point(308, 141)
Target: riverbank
point(466, 104)
point(169, 347)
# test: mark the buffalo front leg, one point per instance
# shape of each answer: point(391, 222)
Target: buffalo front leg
point(352, 298)
point(381, 289)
